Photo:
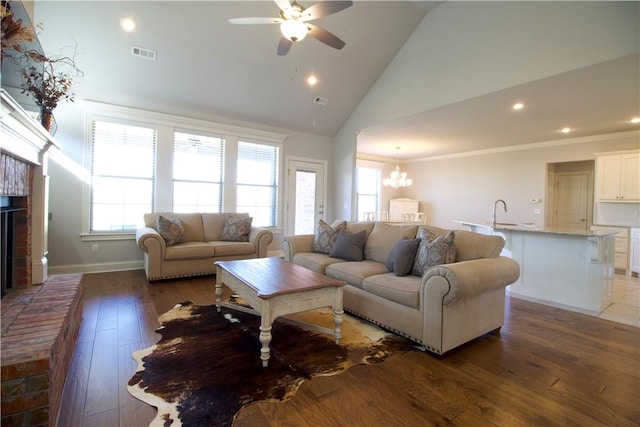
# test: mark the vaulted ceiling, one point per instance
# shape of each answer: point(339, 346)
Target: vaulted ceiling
point(207, 68)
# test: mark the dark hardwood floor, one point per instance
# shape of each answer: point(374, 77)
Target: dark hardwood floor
point(548, 367)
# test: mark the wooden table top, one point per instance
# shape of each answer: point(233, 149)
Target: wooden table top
point(274, 276)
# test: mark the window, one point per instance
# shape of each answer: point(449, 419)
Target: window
point(367, 190)
point(122, 176)
point(257, 182)
point(197, 173)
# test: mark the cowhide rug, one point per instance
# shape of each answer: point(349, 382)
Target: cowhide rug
point(207, 366)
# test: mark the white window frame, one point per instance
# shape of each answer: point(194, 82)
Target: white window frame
point(278, 178)
point(372, 165)
point(166, 125)
point(220, 183)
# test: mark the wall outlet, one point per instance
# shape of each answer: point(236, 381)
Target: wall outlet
point(537, 211)
point(95, 248)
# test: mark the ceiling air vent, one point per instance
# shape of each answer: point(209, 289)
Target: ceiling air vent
point(143, 53)
point(320, 100)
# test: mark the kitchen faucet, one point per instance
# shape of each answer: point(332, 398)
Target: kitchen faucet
point(493, 221)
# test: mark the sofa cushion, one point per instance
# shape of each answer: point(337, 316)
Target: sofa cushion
point(402, 255)
point(192, 223)
point(403, 290)
point(383, 237)
point(170, 229)
point(236, 229)
point(315, 261)
point(433, 251)
point(326, 236)
point(349, 246)
point(354, 272)
point(189, 250)
point(213, 223)
point(471, 245)
point(222, 248)
point(355, 226)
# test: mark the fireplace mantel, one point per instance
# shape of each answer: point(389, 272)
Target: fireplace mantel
point(24, 138)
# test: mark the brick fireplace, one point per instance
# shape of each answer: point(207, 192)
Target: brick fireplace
point(40, 315)
point(16, 181)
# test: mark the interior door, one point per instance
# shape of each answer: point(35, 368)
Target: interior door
point(572, 200)
point(305, 196)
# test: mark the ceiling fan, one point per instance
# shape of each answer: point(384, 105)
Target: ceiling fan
point(294, 24)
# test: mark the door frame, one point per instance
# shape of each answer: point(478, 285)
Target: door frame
point(589, 206)
point(288, 184)
point(553, 169)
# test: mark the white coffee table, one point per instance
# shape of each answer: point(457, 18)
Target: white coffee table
point(274, 287)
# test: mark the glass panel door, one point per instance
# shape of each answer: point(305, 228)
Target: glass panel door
point(305, 206)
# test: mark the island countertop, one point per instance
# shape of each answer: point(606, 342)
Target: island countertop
point(534, 229)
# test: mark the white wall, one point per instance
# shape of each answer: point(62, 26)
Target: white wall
point(466, 187)
point(67, 252)
point(466, 49)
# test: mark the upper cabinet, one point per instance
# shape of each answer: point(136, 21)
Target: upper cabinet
point(618, 177)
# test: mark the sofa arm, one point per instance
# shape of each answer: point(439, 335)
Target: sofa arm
point(262, 238)
point(292, 245)
point(151, 242)
point(463, 280)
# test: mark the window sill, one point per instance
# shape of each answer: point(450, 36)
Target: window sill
point(95, 237)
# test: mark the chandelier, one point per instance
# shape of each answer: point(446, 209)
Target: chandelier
point(397, 178)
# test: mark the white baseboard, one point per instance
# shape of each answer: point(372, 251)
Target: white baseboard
point(113, 266)
point(95, 268)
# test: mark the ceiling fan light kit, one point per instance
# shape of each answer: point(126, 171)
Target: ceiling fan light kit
point(293, 30)
point(293, 23)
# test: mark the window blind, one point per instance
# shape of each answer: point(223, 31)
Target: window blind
point(198, 171)
point(122, 175)
point(257, 182)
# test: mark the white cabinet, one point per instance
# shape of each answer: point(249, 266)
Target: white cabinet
point(399, 207)
point(634, 259)
point(618, 177)
point(622, 245)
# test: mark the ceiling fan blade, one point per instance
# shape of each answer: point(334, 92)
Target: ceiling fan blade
point(283, 46)
point(325, 8)
point(255, 20)
point(284, 5)
point(325, 36)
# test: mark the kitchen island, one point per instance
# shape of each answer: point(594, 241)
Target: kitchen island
point(571, 269)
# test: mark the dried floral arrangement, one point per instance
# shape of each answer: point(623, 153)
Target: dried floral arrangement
point(48, 79)
point(13, 33)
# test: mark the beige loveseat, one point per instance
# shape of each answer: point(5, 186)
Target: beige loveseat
point(447, 306)
point(200, 245)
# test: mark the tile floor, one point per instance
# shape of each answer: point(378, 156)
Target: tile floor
point(626, 301)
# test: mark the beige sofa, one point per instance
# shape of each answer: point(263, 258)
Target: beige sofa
point(447, 306)
point(201, 245)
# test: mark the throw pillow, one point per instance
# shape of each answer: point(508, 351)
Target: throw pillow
point(349, 246)
point(326, 236)
point(433, 251)
point(171, 230)
point(402, 255)
point(236, 229)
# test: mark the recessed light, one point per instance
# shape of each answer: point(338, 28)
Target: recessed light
point(128, 24)
point(566, 130)
point(312, 80)
point(518, 106)
point(635, 120)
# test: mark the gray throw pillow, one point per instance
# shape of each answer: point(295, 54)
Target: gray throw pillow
point(236, 229)
point(433, 251)
point(326, 236)
point(402, 255)
point(349, 246)
point(171, 230)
